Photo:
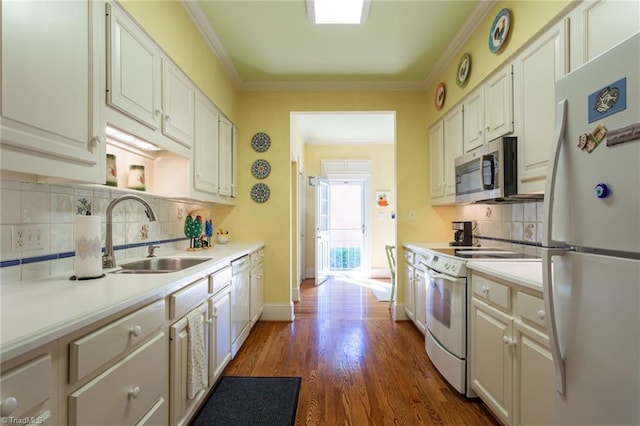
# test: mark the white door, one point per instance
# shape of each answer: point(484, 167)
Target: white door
point(322, 231)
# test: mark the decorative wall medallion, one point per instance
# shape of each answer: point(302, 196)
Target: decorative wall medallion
point(499, 30)
point(261, 169)
point(261, 142)
point(260, 193)
point(440, 95)
point(464, 68)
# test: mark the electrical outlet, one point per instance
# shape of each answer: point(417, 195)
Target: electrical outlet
point(412, 215)
point(27, 237)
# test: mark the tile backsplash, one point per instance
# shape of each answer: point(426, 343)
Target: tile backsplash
point(515, 226)
point(51, 209)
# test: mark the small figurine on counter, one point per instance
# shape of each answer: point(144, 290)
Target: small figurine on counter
point(208, 231)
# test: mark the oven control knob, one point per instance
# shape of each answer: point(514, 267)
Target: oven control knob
point(454, 267)
point(447, 265)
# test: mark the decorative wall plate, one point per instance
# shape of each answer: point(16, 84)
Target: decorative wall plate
point(261, 169)
point(440, 94)
point(499, 30)
point(464, 68)
point(260, 193)
point(261, 142)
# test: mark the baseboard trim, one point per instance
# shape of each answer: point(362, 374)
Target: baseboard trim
point(277, 312)
point(295, 294)
point(398, 312)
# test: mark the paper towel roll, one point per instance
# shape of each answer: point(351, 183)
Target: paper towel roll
point(88, 259)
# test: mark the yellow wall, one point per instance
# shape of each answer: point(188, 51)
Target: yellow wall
point(381, 229)
point(173, 30)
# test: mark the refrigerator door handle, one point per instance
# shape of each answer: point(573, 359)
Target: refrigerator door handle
point(552, 323)
point(561, 124)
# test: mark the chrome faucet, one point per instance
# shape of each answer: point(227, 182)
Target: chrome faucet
point(108, 259)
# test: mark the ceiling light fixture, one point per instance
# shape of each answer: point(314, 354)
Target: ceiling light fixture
point(338, 11)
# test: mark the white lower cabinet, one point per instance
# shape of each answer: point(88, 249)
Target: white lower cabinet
point(220, 334)
point(420, 298)
point(409, 284)
point(511, 364)
point(27, 391)
point(131, 368)
point(183, 407)
point(127, 391)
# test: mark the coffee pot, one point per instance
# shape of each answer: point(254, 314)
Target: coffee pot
point(463, 235)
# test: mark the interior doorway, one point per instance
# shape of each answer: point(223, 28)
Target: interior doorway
point(341, 227)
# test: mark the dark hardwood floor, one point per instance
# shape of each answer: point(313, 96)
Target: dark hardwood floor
point(358, 366)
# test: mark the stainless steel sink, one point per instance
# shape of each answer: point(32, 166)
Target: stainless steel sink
point(159, 265)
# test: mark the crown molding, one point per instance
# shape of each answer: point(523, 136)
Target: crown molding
point(197, 16)
point(472, 22)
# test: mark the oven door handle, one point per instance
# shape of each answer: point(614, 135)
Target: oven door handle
point(437, 276)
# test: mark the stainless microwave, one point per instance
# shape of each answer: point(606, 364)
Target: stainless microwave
point(489, 172)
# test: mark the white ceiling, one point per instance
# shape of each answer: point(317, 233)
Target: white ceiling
point(272, 45)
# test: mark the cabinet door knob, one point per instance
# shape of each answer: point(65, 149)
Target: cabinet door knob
point(541, 314)
point(136, 331)
point(484, 289)
point(508, 341)
point(134, 392)
point(158, 111)
point(167, 117)
point(479, 132)
point(8, 405)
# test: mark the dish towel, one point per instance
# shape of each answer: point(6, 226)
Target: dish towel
point(197, 371)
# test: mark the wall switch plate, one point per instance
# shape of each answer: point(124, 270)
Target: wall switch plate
point(27, 237)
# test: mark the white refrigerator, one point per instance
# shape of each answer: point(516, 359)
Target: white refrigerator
point(591, 241)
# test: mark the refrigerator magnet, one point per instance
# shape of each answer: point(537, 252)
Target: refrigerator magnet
point(624, 134)
point(582, 141)
point(608, 100)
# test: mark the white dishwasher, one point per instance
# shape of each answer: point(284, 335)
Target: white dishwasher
point(240, 303)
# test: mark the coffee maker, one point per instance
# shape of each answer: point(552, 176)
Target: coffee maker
point(463, 235)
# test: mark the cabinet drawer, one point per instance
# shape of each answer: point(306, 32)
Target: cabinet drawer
point(492, 291)
point(27, 388)
point(125, 392)
point(256, 257)
point(220, 280)
point(530, 308)
point(94, 350)
point(184, 300)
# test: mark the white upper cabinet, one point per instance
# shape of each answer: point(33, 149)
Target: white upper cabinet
point(453, 141)
point(488, 110)
point(226, 161)
point(597, 26)
point(473, 106)
point(50, 78)
point(133, 81)
point(445, 144)
point(436, 160)
point(536, 70)
point(178, 94)
point(205, 150)
point(498, 105)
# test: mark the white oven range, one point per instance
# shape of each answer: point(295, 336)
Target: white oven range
point(447, 302)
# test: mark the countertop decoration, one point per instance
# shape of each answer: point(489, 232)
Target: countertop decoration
point(261, 142)
point(499, 30)
point(464, 68)
point(261, 169)
point(193, 230)
point(440, 95)
point(208, 232)
point(260, 193)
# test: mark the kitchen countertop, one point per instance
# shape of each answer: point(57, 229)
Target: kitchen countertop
point(34, 313)
point(526, 273)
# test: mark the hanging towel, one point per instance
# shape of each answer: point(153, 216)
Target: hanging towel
point(196, 355)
